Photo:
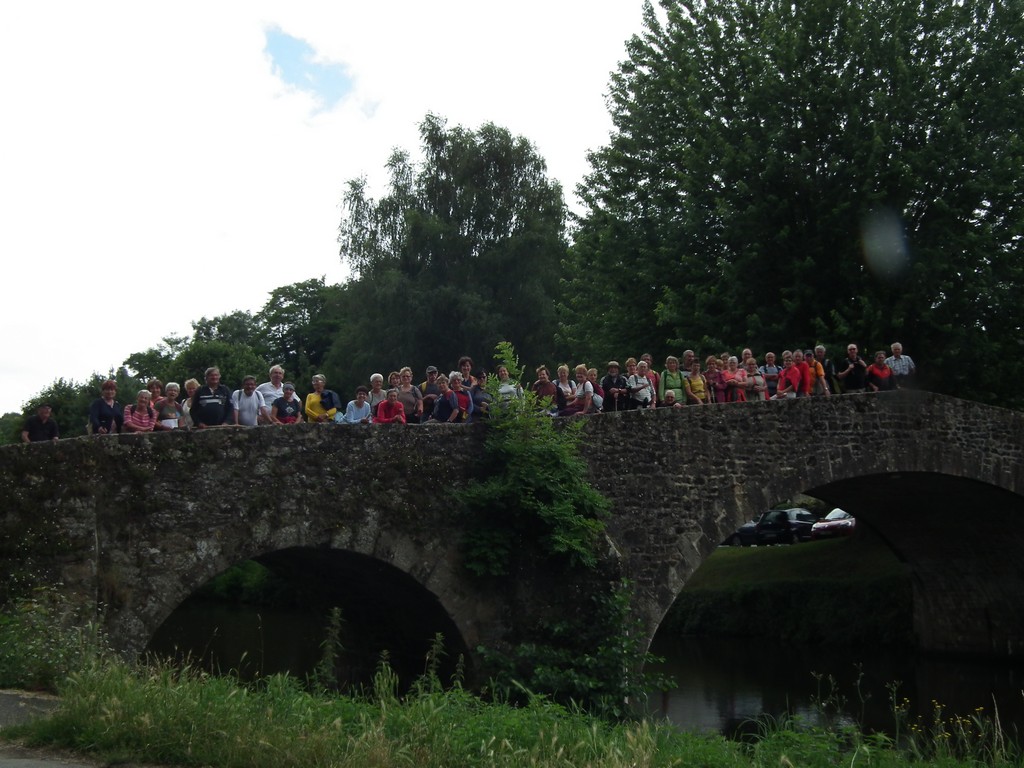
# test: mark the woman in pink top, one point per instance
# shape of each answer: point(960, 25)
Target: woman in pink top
point(715, 380)
point(140, 417)
point(735, 382)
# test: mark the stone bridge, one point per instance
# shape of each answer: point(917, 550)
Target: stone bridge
point(136, 523)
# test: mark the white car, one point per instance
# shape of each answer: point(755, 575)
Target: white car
point(838, 522)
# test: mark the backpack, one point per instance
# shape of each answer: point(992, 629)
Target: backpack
point(329, 399)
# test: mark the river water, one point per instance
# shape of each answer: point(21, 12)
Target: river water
point(726, 683)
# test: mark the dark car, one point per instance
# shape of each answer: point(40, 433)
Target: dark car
point(776, 526)
point(838, 522)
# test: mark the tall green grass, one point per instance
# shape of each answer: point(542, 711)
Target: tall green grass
point(161, 715)
point(43, 638)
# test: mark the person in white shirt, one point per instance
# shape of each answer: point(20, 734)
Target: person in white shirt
point(273, 389)
point(902, 367)
point(250, 407)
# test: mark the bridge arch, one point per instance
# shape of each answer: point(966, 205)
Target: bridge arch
point(298, 540)
point(691, 476)
point(383, 610)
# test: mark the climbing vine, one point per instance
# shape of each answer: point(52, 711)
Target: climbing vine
point(534, 494)
point(535, 524)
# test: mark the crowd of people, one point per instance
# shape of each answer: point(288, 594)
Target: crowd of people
point(463, 395)
point(722, 378)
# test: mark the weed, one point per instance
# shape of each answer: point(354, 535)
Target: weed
point(44, 637)
point(325, 675)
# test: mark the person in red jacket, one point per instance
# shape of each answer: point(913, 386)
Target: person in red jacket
point(805, 374)
point(879, 376)
point(789, 381)
point(390, 411)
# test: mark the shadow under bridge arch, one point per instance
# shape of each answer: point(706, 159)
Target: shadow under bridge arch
point(384, 612)
point(962, 540)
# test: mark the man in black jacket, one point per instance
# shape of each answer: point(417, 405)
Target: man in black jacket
point(616, 389)
point(852, 371)
point(41, 427)
point(211, 404)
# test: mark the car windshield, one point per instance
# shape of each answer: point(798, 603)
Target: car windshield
point(836, 514)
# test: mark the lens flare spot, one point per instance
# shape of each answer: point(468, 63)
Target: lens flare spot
point(885, 244)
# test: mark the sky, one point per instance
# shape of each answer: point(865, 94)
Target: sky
point(160, 163)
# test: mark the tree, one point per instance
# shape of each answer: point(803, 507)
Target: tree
point(11, 425)
point(299, 323)
point(763, 148)
point(238, 328)
point(190, 359)
point(463, 251)
point(234, 362)
point(157, 362)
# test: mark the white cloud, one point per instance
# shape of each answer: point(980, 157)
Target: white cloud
point(153, 168)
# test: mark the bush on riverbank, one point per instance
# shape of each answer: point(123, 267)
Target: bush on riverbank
point(846, 591)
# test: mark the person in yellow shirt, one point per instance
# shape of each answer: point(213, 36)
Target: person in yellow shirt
point(697, 391)
point(321, 403)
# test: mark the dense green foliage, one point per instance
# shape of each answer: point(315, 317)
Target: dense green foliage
point(534, 494)
point(248, 583)
point(534, 510)
point(587, 657)
point(782, 173)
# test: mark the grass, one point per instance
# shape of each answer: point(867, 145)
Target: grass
point(165, 715)
point(43, 638)
point(854, 560)
point(849, 591)
point(187, 718)
point(118, 712)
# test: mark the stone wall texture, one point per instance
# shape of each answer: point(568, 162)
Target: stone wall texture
point(136, 523)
